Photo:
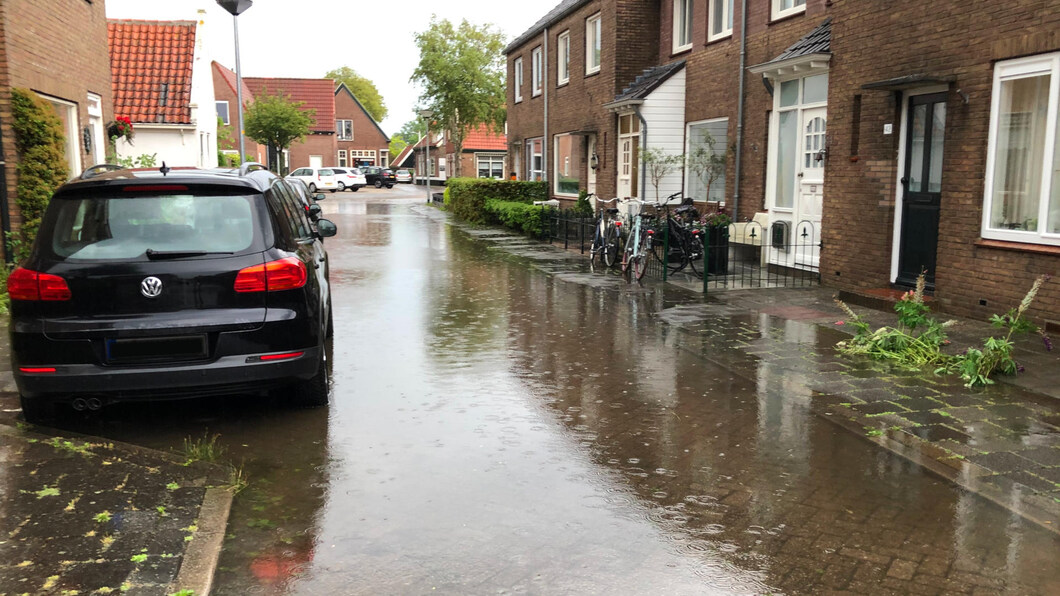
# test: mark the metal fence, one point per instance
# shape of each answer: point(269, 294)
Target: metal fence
point(742, 255)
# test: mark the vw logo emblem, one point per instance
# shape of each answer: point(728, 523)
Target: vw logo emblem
point(151, 287)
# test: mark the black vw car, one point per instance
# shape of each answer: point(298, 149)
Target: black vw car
point(154, 284)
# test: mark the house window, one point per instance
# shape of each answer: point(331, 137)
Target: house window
point(222, 111)
point(342, 158)
point(592, 44)
point(682, 25)
point(535, 163)
point(535, 72)
point(490, 166)
point(1022, 198)
point(783, 8)
point(344, 129)
point(720, 19)
point(518, 79)
point(563, 59)
point(569, 154)
point(67, 112)
point(707, 157)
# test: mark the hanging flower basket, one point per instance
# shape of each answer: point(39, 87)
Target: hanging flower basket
point(120, 128)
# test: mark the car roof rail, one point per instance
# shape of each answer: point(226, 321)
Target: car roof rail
point(98, 169)
point(250, 166)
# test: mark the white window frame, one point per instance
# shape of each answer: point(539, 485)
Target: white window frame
point(723, 146)
point(593, 31)
point(518, 79)
point(726, 10)
point(563, 58)
point(683, 15)
point(1012, 70)
point(73, 133)
point(557, 167)
point(490, 159)
point(535, 72)
point(532, 174)
point(228, 111)
point(339, 126)
point(778, 12)
point(342, 158)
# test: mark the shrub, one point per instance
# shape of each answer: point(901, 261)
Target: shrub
point(41, 161)
point(583, 208)
point(467, 196)
point(523, 217)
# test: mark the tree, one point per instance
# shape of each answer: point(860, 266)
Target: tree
point(275, 121)
point(462, 73)
point(659, 165)
point(397, 145)
point(363, 89)
point(42, 166)
point(412, 131)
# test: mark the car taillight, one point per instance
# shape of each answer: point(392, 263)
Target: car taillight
point(275, 276)
point(24, 284)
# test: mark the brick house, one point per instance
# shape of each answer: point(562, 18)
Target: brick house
point(484, 154)
point(319, 148)
point(71, 71)
point(360, 140)
point(944, 156)
point(594, 82)
point(162, 81)
point(225, 101)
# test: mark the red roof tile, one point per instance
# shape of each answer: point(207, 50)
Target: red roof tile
point(230, 78)
point(318, 94)
point(481, 138)
point(150, 64)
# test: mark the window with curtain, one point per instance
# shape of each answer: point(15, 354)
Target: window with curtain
point(1022, 199)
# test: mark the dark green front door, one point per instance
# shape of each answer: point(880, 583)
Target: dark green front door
point(922, 188)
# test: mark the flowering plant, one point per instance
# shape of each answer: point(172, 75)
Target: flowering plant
point(716, 219)
point(120, 128)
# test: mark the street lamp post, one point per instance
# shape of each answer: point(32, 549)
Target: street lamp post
point(427, 113)
point(236, 8)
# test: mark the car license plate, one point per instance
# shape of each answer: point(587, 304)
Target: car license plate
point(148, 349)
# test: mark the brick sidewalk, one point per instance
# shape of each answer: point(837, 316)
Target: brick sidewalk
point(81, 516)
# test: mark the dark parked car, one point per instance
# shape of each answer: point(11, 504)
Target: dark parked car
point(379, 177)
point(307, 199)
point(146, 286)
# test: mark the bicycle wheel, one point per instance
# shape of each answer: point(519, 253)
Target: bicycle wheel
point(597, 246)
point(628, 256)
point(612, 239)
point(696, 252)
point(679, 248)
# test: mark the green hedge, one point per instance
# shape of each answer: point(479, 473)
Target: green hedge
point(468, 196)
point(41, 162)
point(523, 217)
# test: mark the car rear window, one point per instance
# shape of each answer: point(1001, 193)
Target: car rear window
point(327, 173)
point(112, 228)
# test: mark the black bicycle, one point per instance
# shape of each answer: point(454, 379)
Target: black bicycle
point(607, 235)
point(683, 245)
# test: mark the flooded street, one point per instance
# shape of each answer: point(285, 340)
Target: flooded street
point(495, 429)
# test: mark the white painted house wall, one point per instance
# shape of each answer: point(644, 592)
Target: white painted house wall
point(664, 111)
point(192, 144)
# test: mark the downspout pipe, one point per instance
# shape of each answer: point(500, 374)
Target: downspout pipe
point(643, 148)
point(739, 111)
point(544, 95)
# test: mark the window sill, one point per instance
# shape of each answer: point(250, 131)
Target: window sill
point(562, 84)
point(533, 95)
point(720, 38)
point(681, 50)
point(592, 73)
point(520, 100)
point(1041, 249)
point(786, 17)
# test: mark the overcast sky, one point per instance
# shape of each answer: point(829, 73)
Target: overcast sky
point(307, 38)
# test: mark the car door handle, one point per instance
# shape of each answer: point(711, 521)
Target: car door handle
point(321, 258)
point(316, 265)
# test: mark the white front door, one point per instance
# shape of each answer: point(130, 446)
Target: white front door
point(316, 161)
point(808, 207)
point(590, 150)
point(628, 154)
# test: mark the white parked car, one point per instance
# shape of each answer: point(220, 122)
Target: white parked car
point(403, 177)
point(350, 178)
point(316, 178)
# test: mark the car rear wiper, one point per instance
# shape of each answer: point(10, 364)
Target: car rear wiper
point(155, 255)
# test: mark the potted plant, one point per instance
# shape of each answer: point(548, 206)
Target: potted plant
point(716, 226)
point(120, 128)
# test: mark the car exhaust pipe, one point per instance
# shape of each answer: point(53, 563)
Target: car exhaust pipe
point(79, 404)
point(94, 404)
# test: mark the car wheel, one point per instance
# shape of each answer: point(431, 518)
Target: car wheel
point(355, 188)
point(36, 411)
point(379, 184)
point(390, 186)
point(342, 186)
point(313, 393)
point(312, 188)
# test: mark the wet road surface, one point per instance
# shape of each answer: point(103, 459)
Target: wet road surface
point(498, 430)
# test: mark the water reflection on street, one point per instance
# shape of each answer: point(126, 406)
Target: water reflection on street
point(495, 430)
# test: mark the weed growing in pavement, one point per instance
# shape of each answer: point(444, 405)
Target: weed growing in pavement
point(102, 517)
point(237, 479)
point(205, 449)
point(918, 340)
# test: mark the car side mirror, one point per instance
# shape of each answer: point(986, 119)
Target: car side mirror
point(314, 211)
point(319, 197)
point(326, 229)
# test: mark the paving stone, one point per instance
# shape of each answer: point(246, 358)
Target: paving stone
point(926, 418)
point(1001, 462)
point(1029, 480)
